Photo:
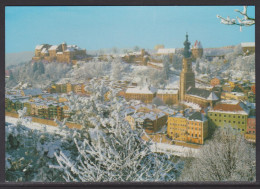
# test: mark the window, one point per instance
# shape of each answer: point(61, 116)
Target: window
point(224, 115)
point(242, 122)
point(239, 129)
point(215, 119)
point(210, 114)
point(195, 135)
point(242, 116)
point(219, 115)
point(234, 122)
point(215, 114)
point(239, 122)
point(219, 120)
point(225, 121)
point(229, 115)
point(243, 129)
point(238, 116)
point(234, 116)
point(229, 121)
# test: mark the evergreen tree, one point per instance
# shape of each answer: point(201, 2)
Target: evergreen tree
point(35, 67)
point(166, 67)
point(41, 68)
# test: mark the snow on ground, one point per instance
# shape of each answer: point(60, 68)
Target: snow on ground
point(192, 105)
point(155, 147)
point(174, 149)
point(37, 126)
point(174, 82)
point(136, 68)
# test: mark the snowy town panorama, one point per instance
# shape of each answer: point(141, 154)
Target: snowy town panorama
point(176, 113)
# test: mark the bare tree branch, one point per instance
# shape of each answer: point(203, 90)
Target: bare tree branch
point(245, 21)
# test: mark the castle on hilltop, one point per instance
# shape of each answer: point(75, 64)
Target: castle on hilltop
point(59, 53)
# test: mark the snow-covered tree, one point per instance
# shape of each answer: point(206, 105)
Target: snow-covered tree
point(117, 69)
point(157, 101)
point(166, 67)
point(245, 21)
point(29, 152)
point(111, 150)
point(177, 61)
point(227, 157)
point(136, 48)
point(197, 68)
point(116, 153)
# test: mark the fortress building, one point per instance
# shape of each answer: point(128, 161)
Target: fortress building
point(60, 53)
point(187, 77)
point(197, 50)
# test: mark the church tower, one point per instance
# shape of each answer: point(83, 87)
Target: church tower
point(187, 77)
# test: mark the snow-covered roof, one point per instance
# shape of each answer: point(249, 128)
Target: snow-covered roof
point(201, 93)
point(135, 53)
point(180, 115)
point(39, 47)
point(239, 108)
point(141, 90)
point(166, 51)
point(248, 44)
point(70, 49)
point(59, 52)
point(229, 101)
point(44, 50)
point(129, 111)
point(238, 93)
point(54, 47)
point(141, 116)
point(156, 64)
point(167, 91)
point(212, 96)
point(192, 105)
point(197, 116)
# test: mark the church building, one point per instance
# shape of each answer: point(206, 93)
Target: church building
point(188, 92)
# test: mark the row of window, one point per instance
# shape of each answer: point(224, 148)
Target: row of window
point(234, 116)
point(230, 121)
point(237, 129)
point(195, 135)
point(194, 128)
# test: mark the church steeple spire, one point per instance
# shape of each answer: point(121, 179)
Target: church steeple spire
point(187, 77)
point(186, 44)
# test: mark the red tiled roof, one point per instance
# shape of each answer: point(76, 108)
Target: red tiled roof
point(228, 107)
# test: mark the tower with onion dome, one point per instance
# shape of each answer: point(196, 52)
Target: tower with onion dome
point(187, 76)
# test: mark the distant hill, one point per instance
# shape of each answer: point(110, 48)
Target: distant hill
point(17, 58)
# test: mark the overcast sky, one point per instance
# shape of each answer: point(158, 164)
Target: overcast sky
point(122, 27)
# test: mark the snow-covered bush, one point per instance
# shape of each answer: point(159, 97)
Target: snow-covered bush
point(116, 153)
point(30, 152)
point(227, 157)
point(111, 151)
